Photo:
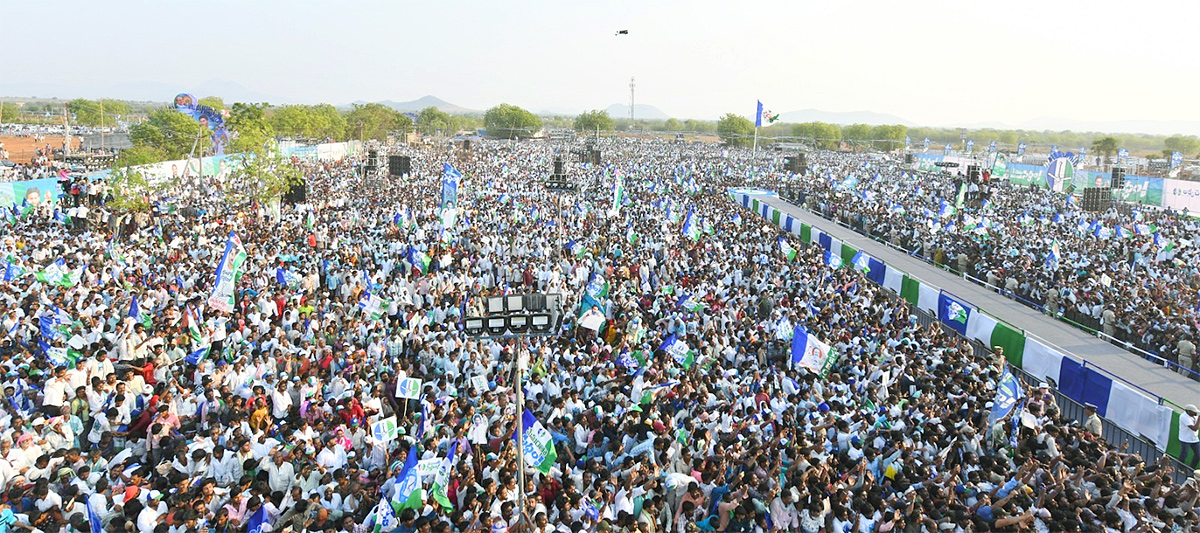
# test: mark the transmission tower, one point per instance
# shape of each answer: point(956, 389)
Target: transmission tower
point(631, 85)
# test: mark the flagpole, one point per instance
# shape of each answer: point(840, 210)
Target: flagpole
point(520, 440)
point(756, 138)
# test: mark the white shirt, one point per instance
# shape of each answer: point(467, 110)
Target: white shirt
point(1185, 428)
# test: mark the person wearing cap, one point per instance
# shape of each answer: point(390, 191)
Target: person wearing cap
point(1189, 442)
point(1091, 421)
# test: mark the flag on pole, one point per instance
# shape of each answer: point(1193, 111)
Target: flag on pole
point(419, 259)
point(441, 479)
point(229, 271)
point(385, 430)
point(810, 353)
point(690, 229)
point(287, 278)
point(537, 444)
point(372, 306)
point(833, 260)
point(13, 272)
point(618, 196)
point(1008, 391)
point(385, 517)
point(764, 115)
point(679, 351)
point(408, 483)
point(689, 303)
point(788, 251)
point(409, 388)
point(861, 262)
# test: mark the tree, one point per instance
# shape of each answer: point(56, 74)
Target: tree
point(596, 119)
point(374, 121)
point(214, 102)
point(261, 175)
point(699, 126)
point(167, 131)
point(321, 121)
point(112, 110)
point(9, 112)
point(672, 124)
point(856, 133)
point(1106, 146)
point(889, 137)
point(736, 130)
point(248, 127)
point(432, 120)
point(130, 190)
point(506, 121)
point(87, 112)
point(825, 136)
point(1188, 146)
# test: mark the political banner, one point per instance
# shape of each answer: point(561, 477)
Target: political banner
point(229, 271)
point(408, 388)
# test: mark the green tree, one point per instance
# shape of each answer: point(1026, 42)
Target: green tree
point(321, 121)
point(506, 121)
point(736, 130)
point(672, 124)
point(262, 175)
point(824, 135)
point(1106, 146)
point(167, 131)
point(596, 119)
point(87, 112)
point(250, 123)
point(10, 113)
point(699, 126)
point(889, 137)
point(1188, 146)
point(214, 102)
point(111, 110)
point(856, 134)
point(374, 121)
point(432, 120)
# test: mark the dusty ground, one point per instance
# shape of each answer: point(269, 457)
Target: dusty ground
point(22, 149)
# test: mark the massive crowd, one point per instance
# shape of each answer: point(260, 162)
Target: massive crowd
point(1130, 273)
point(132, 403)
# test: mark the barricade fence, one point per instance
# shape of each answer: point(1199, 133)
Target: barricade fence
point(1131, 412)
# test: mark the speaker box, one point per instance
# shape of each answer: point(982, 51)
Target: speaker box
point(1118, 178)
point(558, 165)
point(399, 165)
point(466, 144)
point(908, 159)
point(595, 156)
point(973, 173)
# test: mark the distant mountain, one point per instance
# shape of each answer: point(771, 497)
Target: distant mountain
point(424, 102)
point(640, 111)
point(148, 91)
point(1154, 127)
point(558, 112)
point(842, 117)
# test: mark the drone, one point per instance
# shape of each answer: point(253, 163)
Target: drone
point(622, 32)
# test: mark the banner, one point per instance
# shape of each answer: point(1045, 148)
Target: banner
point(229, 271)
point(1142, 190)
point(31, 193)
point(1180, 195)
point(537, 444)
point(926, 163)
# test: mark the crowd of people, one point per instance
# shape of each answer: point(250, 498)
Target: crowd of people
point(137, 401)
point(1129, 273)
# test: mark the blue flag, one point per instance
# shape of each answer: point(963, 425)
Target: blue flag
point(134, 311)
point(953, 313)
point(257, 520)
point(1008, 391)
point(94, 523)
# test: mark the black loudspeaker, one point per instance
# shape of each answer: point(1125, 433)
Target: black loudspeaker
point(1097, 199)
point(1118, 178)
point(594, 156)
point(973, 174)
point(558, 165)
point(297, 194)
point(466, 144)
point(399, 165)
point(796, 164)
point(908, 159)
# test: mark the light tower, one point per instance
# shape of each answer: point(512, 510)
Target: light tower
point(631, 86)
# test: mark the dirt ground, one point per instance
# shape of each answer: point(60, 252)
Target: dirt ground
point(23, 149)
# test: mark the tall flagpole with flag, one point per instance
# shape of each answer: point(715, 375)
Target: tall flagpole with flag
point(757, 123)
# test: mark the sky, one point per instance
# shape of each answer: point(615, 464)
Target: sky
point(931, 62)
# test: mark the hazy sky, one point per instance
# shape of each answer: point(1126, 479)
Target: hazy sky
point(936, 63)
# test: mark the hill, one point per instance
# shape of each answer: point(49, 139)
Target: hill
point(641, 111)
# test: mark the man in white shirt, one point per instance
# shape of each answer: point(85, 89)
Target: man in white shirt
point(1189, 423)
point(280, 474)
point(55, 393)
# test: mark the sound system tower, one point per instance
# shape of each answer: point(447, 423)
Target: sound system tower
point(372, 161)
point(1097, 199)
point(974, 175)
point(594, 156)
point(1118, 178)
point(466, 146)
point(908, 158)
point(796, 164)
point(558, 179)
